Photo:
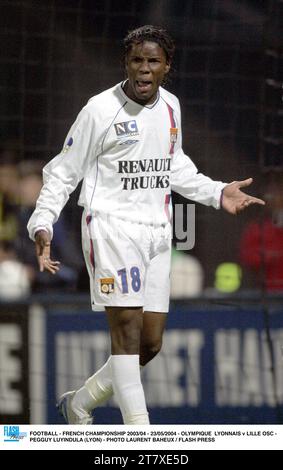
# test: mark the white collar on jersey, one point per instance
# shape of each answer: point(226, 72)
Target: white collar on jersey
point(122, 86)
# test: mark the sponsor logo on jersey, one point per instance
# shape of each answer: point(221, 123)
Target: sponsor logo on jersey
point(128, 142)
point(145, 181)
point(107, 285)
point(173, 135)
point(68, 145)
point(125, 129)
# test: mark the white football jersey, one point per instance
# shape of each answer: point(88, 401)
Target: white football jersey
point(129, 157)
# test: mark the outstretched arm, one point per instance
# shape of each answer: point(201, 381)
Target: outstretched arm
point(234, 200)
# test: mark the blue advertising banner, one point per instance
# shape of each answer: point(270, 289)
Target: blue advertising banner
point(14, 364)
point(218, 365)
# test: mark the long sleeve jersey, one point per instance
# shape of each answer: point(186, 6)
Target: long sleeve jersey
point(129, 157)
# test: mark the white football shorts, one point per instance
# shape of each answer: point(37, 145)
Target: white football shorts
point(128, 263)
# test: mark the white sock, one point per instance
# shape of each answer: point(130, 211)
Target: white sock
point(96, 390)
point(82, 402)
point(127, 386)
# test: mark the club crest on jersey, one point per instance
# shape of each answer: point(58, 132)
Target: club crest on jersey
point(125, 129)
point(68, 145)
point(173, 135)
point(107, 285)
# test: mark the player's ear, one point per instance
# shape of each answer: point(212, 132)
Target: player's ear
point(126, 62)
point(167, 67)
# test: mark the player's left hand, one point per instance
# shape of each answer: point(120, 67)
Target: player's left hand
point(234, 200)
point(43, 247)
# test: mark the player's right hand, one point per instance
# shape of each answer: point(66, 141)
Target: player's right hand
point(42, 247)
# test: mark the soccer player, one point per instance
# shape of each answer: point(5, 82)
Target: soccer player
point(126, 146)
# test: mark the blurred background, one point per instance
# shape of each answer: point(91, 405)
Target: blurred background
point(224, 342)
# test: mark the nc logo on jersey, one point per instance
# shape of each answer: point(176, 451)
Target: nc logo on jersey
point(107, 285)
point(128, 128)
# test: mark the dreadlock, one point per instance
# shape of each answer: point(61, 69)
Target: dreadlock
point(150, 33)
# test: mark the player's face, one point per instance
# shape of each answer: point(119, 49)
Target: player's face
point(146, 67)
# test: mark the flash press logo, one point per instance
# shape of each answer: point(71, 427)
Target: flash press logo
point(13, 434)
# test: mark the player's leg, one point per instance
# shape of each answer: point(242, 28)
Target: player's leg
point(125, 329)
point(157, 293)
point(98, 388)
point(124, 256)
point(128, 264)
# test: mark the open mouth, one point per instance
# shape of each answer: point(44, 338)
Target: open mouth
point(144, 86)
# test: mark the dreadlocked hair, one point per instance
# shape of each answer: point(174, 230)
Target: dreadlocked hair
point(150, 33)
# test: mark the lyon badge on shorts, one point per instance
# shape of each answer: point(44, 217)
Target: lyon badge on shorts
point(173, 134)
point(107, 285)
